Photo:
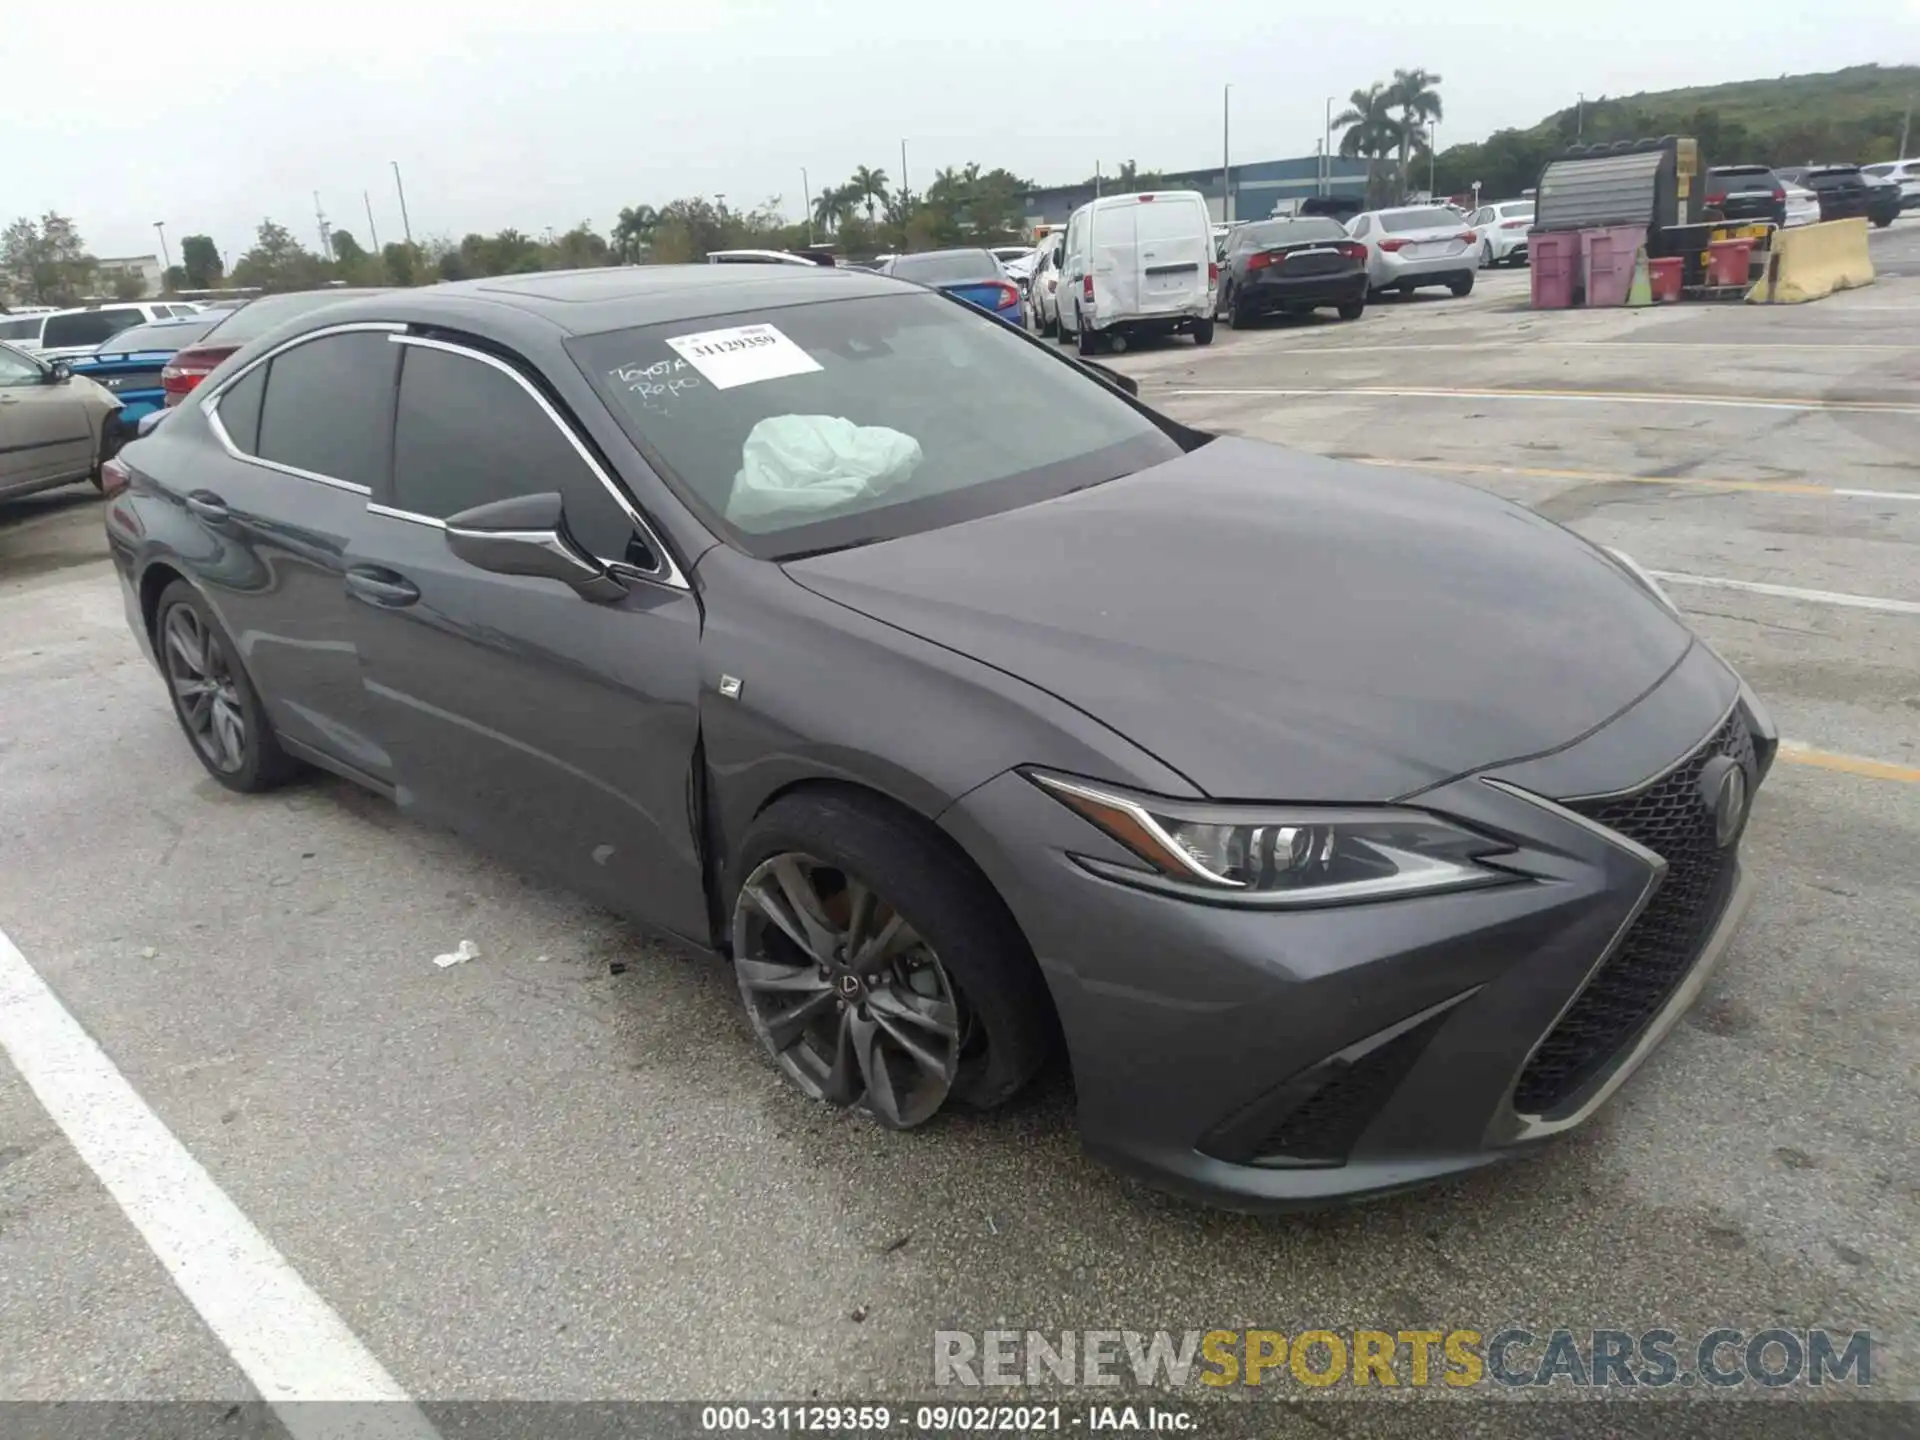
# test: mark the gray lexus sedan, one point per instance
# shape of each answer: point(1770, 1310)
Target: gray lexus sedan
point(1347, 828)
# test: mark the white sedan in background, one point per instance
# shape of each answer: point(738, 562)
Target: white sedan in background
point(1416, 245)
point(1043, 284)
point(1803, 206)
point(1503, 230)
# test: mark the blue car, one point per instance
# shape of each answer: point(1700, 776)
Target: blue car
point(970, 275)
point(129, 366)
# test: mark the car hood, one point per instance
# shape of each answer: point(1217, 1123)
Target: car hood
point(1280, 626)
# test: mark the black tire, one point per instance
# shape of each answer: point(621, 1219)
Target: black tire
point(1008, 1026)
point(1085, 340)
point(1461, 284)
point(1203, 332)
point(1352, 309)
point(1239, 316)
point(257, 761)
point(1050, 327)
point(1487, 262)
point(1882, 223)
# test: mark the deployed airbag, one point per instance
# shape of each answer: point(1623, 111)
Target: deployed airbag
point(816, 462)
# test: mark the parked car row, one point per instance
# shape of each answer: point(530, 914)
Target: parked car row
point(57, 334)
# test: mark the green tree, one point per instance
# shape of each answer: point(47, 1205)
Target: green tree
point(834, 205)
point(346, 249)
point(404, 264)
point(45, 261)
point(128, 284)
point(870, 185)
point(1415, 95)
point(633, 233)
point(580, 248)
point(1369, 131)
point(176, 280)
point(200, 262)
point(279, 262)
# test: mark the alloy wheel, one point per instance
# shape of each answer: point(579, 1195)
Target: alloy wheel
point(848, 998)
point(204, 689)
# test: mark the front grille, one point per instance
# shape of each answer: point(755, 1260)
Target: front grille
point(1671, 818)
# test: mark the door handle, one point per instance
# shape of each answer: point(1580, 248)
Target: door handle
point(381, 587)
point(207, 505)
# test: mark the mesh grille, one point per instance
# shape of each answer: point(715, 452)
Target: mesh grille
point(1672, 819)
point(1325, 1124)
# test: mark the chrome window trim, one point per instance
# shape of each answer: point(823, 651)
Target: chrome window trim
point(392, 512)
point(210, 407)
point(669, 572)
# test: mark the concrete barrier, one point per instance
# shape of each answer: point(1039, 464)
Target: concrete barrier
point(1813, 261)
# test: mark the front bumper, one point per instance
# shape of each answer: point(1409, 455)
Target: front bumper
point(1273, 1060)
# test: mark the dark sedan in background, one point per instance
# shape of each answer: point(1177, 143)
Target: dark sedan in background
point(1842, 190)
point(1291, 267)
point(830, 625)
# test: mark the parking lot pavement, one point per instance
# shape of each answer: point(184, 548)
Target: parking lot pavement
point(563, 1170)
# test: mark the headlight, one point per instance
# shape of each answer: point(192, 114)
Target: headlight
point(1646, 582)
point(1282, 855)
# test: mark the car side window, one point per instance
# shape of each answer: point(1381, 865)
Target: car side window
point(328, 406)
point(17, 370)
point(239, 409)
point(469, 434)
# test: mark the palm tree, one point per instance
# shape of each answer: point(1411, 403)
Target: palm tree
point(834, 206)
point(633, 231)
point(1371, 129)
point(1414, 94)
point(870, 184)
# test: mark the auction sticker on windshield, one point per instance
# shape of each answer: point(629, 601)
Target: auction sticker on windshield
point(742, 355)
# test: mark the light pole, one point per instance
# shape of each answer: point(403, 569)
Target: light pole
point(806, 192)
point(1433, 148)
point(904, 191)
point(1580, 119)
point(1226, 162)
point(399, 189)
point(1326, 147)
point(166, 256)
point(374, 234)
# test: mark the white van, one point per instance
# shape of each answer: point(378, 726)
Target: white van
point(1138, 265)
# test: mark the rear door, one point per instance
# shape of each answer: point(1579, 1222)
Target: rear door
point(1173, 239)
point(554, 730)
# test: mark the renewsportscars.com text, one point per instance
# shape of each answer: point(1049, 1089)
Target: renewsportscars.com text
point(1454, 1357)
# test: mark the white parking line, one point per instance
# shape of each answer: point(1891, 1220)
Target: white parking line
point(287, 1340)
point(1791, 592)
point(1583, 397)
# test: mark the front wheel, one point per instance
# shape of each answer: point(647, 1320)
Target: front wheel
point(1203, 332)
point(213, 696)
point(876, 968)
point(1461, 284)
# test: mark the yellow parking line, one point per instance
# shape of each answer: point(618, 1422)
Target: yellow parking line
point(1775, 487)
point(1798, 754)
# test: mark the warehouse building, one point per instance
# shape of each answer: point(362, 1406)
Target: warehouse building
point(1256, 187)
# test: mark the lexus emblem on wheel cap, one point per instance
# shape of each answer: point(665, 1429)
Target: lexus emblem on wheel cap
point(1723, 786)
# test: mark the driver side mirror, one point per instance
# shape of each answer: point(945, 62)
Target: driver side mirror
point(528, 536)
point(59, 372)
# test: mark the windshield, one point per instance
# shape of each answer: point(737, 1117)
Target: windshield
point(812, 427)
point(87, 327)
point(174, 335)
point(1292, 232)
point(25, 328)
point(1399, 220)
point(947, 267)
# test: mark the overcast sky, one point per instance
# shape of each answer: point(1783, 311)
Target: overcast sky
point(210, 115)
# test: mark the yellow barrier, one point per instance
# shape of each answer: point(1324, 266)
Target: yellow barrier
point(1813, 261)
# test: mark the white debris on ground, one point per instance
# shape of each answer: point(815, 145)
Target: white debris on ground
point(467, 951)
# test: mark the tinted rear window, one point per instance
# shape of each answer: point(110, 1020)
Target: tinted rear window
point(1294, 232)
point(1742, 177)
point(176, 335)
point(1401, 220)
point(89, 327)
point(1822, 179)
point(1514, 212)
point(952, 267)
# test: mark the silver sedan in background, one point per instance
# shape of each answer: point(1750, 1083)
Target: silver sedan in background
point(1416, 245)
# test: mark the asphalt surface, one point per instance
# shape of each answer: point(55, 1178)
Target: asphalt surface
point(565, 1171)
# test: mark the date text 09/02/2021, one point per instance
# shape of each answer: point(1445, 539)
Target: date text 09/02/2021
point(944, 1419)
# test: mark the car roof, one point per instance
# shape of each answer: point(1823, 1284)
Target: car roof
point(592, 302)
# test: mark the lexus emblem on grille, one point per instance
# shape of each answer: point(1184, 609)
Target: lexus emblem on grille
point(1723, 786)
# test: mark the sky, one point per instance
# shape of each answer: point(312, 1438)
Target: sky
point(541, 113)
